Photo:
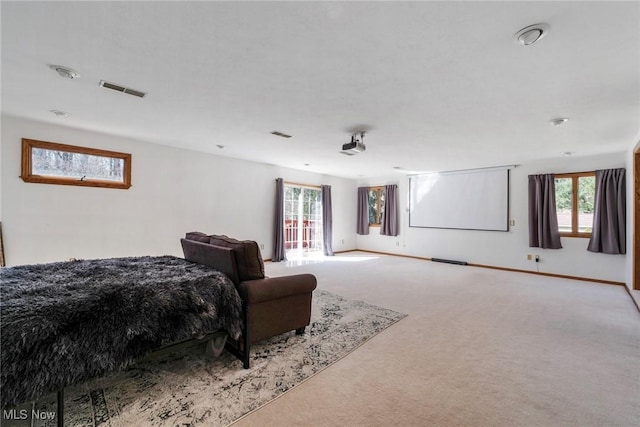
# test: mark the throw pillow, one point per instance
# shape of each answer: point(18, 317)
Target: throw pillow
point(248, 257)
point(197, 236)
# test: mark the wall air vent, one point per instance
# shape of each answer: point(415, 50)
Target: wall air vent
point(122, 89)
point(284, 135)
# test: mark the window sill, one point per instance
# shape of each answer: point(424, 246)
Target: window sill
point(579, 235)
point(39, 179)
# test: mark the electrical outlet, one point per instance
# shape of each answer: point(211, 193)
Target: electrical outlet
point(537, 258)
point(342, 241)
point(528, 257)
point(397, 243)
point(512, 222)
point(261, 245)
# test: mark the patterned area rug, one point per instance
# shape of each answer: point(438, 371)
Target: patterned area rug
point(187, 389)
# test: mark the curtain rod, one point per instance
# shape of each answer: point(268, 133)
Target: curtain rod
point(297, 184)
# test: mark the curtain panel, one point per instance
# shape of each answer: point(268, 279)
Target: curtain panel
point(609, 216)
point(279, 253)
point(327, 220)
point(543, 221)
point(363, 210)
point(389, 222)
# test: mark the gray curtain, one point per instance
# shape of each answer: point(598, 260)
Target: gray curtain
point(279, 253)
point(609, 216)
point(327, 220)
point(543, 222)
point(389, 222)
point(363, 210)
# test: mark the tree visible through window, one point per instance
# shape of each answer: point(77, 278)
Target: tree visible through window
point(376, 205)
point(51, 163)
point(575, 198)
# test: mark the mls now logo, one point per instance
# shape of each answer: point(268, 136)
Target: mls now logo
point(18, 415)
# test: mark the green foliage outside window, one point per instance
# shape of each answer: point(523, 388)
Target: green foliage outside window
point(575, 217)
point(376, 205)
point(586, 193)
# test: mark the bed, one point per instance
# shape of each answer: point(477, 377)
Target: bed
point(67, 322)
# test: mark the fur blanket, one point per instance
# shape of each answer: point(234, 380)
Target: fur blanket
point(67, 322)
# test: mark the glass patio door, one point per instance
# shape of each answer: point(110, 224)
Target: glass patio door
point(302, 221)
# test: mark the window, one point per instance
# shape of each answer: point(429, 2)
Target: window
point(575, 196)
point(376, 205)
point(51, 163)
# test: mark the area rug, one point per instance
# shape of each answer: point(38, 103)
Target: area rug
point(185, 388)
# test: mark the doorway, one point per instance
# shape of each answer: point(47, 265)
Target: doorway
point(302, 220)
point(636, 220)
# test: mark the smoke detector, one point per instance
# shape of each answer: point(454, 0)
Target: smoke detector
point(65, 72)
point(531, 34)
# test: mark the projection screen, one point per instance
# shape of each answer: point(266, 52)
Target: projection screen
point(471, 200)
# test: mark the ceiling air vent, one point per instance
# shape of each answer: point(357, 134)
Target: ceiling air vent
point(277, 133)
point(122, 89)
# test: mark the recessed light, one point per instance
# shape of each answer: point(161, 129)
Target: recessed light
point(567, 153)
point(65, 72)
point(220, 146)
point(559, 121)
point(531, 34)
point(307, 164)
point(59, 113)
point(398, 168)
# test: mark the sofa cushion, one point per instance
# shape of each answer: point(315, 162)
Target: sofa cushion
point(248, 257)
point(197, 236)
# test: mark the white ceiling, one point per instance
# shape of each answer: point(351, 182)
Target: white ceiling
point(438, 85)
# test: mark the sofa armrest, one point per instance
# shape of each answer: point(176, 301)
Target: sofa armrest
point(270, 288)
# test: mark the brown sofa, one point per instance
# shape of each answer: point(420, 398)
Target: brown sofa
point(271, 306)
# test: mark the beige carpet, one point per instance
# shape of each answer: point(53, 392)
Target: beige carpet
point(480, 348)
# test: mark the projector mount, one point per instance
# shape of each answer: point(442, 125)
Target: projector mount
point(355, 146)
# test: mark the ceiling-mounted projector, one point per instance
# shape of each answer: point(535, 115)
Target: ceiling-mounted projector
point(355, 146)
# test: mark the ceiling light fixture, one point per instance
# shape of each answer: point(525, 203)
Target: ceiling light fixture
point(65, 72)
point(531, 34)
point(559, 121)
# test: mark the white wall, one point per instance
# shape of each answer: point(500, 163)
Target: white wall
point(503, 249)
point(174, 191)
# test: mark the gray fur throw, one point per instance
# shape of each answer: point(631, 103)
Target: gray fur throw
point(64, 323)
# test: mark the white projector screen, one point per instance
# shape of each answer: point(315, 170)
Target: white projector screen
point(470, 200)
